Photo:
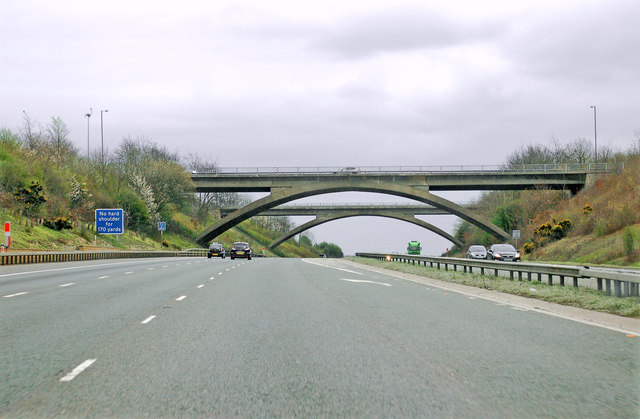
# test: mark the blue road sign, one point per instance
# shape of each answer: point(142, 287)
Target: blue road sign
point(110, 221)
point(162, 225)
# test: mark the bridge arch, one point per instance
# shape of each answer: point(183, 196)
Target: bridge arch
point(346, 214)
point(279, 196)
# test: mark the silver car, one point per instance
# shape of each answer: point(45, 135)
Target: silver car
point(477, 252)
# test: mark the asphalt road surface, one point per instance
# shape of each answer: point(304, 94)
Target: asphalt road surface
point(291, 337)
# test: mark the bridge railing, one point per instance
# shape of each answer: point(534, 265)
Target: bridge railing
point(524, 168)
point(16, 258)
point(617, 282)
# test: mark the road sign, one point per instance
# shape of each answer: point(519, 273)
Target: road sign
point(515, 234)
point(162, 226)
point(110, 221)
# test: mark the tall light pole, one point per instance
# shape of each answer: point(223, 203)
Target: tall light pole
point(595, 131)
point(102, 137)
point(88, 115)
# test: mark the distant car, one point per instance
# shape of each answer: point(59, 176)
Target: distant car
point(322, 255)
point(504, 252)
point(217, 250)
point(477, 252)
point(348, 169)
point(240, 250)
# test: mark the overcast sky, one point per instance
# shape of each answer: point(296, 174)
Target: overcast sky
point(294, 83)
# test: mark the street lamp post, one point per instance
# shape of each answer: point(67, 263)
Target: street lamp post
point(88, 115)
point(102, 137)
point(595, 132)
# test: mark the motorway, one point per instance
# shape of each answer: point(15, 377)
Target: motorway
point(290, 337)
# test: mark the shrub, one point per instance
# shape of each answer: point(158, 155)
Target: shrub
point(587, 209)
point(628, 241)
point(165, 243)
point(60, 223)
point(529, 247)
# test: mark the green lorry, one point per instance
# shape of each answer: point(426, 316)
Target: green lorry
point(414, 248)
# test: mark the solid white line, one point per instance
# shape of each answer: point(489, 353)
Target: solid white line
point(67, 285)
point(366, 281)
point(67, 269)
point(77, 370)
point(15, 295)
point(331, 267)
point(181, 298)
point(148, 319)
point(103, 277)
point(200, 286)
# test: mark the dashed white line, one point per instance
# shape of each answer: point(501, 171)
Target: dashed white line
point(228, 269)
point(77, 370)
point(103, 277)
point(15, 295)
point(219, 273)
point(164, 266)
point(212, 277)
point(128, 273)
point(200, 286)
point(148, 319)
point(181, 298)
point(67, 285)
point(150, 269)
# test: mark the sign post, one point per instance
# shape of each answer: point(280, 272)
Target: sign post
point(110, 221)
point(516, 235)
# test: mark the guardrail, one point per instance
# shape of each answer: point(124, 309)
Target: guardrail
point(618, 283)
point(16, 258)
point(520, 168)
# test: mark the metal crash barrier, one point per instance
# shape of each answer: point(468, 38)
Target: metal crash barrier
point(16, 258)
point(617, 282)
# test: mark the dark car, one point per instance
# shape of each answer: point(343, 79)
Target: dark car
point(504, 252)
point(477, 252)
point(241, 250)
point(217, 250)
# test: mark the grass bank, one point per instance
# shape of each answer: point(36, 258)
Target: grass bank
point(586, 298)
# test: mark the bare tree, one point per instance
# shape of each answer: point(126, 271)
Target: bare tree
point(58, 136)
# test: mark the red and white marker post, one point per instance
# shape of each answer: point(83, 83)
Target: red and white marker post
point(7, 235)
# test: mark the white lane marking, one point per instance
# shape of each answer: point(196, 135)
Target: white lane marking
point(219, 273)
point(68, 269)
point(128, 273)
point(148, 319)
point(181, 298)
point(164, 266)
point(103, 277)
point(200, 286)
point(67, 285)
point(15, 295)
point(77, 370)
point(228, 269)
point(150, 269)
point(331, 267)
point(366, 281)
point(212, 277)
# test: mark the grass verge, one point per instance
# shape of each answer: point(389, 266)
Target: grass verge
point(586, 298)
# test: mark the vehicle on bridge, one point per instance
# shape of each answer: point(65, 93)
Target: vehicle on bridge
point(504, 252)
point(217, 250)
point(414, 248)
point(477, 251)
point(240, 250)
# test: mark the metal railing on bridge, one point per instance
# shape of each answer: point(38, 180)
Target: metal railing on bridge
point(523, 168)
point(621, 283)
